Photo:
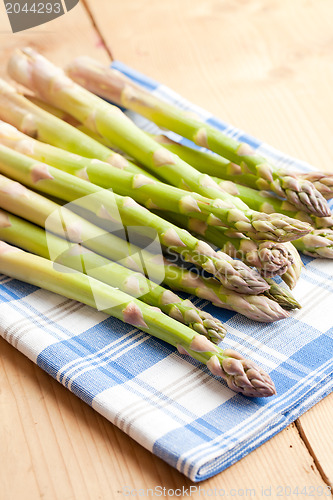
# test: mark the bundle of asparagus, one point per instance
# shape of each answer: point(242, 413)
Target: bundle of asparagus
point(43, 146)
point(107, 205)
point(18, 200)
point(225, 209)
point(144, 190)
point(34, 239)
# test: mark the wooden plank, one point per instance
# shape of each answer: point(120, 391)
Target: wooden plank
point(263, 66)
point(316, 429)
point(54, 446)
point(60, 39)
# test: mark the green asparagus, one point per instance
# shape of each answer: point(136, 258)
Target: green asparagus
point(114, 86)
point(268, 257)
point(120, 211)
point(27, 204)
point(244, 186)
point(293, 273)
point(281, 295)
point(34, 71)
point(34, 239)
point(240, 374)
point(319, 243)
point(144, 190)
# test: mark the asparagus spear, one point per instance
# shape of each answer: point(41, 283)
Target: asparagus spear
point(268, 257)
point(319, 243)
point(281, 295)
point(34, 239)
point(144, 190)
point(274, 227)
point(34, 71)
point(17, 199)
point(59, 113)
point(322, 181)
point(34, 121)
point(124, 210)
point(293, 273)
point(114, 86)
point(267, 202)
point(241, 375)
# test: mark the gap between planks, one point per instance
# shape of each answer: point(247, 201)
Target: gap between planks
point(311, 451)
point(96, 28)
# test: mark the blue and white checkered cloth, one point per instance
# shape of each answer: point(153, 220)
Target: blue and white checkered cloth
point(168, 403)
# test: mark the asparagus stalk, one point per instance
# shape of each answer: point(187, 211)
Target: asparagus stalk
point(319, 243)
point(142, 189)
point(17, 199)
point(34, 239)
point(274, 227)
point(34, 71)
point(59, 113)
point(124, 210)
point(267, 202)
point(244, 185)
point(34, 121)
point(114, 86)
point(45, 124)
point(241, 375)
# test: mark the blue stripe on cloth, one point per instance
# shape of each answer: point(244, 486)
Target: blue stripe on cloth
point(15, 290)
point(248, 417)
point(108, 354)
point(168, 403)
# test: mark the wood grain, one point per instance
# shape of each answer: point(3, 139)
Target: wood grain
point(65, 37)
point(263, 65)
point(56, 447)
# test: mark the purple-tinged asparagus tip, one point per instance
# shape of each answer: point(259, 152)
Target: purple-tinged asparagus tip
point(242, 375)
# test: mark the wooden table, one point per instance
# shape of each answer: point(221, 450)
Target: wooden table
point(264, 65)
